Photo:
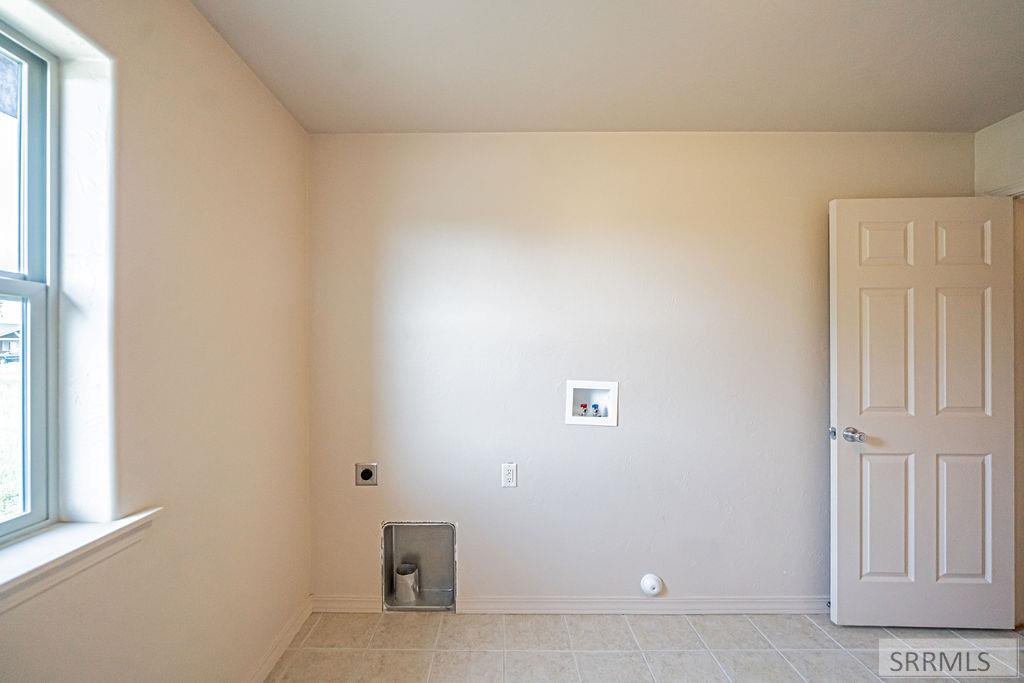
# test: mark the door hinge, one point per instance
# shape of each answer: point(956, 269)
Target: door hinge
point(832, 433)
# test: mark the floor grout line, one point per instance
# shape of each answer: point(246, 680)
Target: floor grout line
point(430, 667)
point(868, 668)
point(504, 647)
point(643, 654)
point(701, 639)
point(842, 647)
point(380, 618)
point(373, 632)
point(909, 646)
point(888, 630)
point(568, 634)
point(319, 618)
point(827, 635)
point(433, 654)
point(781, 654)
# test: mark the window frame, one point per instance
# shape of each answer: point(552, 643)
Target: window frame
point(36, 284)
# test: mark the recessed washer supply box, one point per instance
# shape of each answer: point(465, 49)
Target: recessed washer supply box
point(431, 547)
point(591, 402)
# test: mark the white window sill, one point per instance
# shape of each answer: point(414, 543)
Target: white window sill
point(41, 561)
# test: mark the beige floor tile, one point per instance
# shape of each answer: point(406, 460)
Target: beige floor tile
point(536, 632)
point(669, 667)
point(613, 667)
point(763, 667)
point(852, 637)
point(542, 667)
point(792, 631)
point(406, 631)
point(1004, 663)
point(279, 668)
point(664, 632)
point(325, 665)
point(402, 666)
point(410, 647)
point(870, 659)
point(599, 632)
point(728, 632)
point(466, 666)
point(350, 631)
point(471, 632)
point(828, 665)
point(304, 629)
point(986, 636)
point(926, 637)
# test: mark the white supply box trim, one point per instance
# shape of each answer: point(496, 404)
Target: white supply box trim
point(610, 419)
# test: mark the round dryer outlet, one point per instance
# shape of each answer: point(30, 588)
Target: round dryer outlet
point(366, 474)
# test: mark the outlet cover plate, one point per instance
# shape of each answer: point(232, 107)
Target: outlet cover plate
point(509, 477)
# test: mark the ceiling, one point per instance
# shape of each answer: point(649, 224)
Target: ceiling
point(566, 65)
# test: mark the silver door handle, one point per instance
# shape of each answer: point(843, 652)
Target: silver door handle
point(853, 435)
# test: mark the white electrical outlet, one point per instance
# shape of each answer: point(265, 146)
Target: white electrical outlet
point(508, 475)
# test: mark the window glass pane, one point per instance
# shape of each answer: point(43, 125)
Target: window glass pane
point(12, 392)
point(11, 77)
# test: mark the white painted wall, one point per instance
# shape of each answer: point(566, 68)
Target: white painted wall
point(459, 280)
point(211, 285)
point(999, 156)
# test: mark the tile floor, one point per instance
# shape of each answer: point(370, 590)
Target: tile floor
point(524, 647)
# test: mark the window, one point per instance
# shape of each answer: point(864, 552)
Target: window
point(25, 296)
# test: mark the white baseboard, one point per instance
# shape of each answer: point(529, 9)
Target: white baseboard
point(281, 642)
point(741, 604)
point(346, 603)
point(787, 604)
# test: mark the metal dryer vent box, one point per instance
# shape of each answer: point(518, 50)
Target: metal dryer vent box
point(431, 547)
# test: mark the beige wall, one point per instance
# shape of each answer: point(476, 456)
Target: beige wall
point(459, 280)
point(212, 369)
point(999, 156)
point(1018, 338)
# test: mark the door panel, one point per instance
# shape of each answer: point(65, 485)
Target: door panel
point(964, 350)
point(921, 348)
point(887, 350)
point(964, 243)
point(965, 516)
point(886, 244)
point(887, 522)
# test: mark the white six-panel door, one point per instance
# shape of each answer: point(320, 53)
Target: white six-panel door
point(921, 296)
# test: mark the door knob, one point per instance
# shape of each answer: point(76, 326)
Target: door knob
point(853, 435)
